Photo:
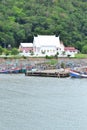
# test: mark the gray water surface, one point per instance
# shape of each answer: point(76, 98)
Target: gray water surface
point(37, 103)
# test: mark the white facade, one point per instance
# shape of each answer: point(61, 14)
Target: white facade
point(70, 51)
point(47, 45)
point(26, 49)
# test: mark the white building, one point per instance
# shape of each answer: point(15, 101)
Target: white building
point(70, 51)
point(26, 49)
point(47, 45)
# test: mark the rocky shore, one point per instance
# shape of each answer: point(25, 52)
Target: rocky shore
point(43, 63)
point(33, 61)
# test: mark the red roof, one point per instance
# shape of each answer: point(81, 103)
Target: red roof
point(26, 49)
point(70, 49)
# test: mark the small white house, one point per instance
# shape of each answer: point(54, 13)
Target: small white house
point(70, 51)
point(47, 45)
point(26, 49)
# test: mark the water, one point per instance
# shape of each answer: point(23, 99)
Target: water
point(37, 103)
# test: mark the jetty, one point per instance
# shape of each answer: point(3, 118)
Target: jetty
point(49, 73)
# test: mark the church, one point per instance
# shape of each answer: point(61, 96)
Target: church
point(46, 45)
point(43, 45)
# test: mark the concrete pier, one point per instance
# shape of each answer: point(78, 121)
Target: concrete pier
point(49, 73)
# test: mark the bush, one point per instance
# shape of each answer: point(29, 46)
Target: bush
point(49, 57)
point(1, 50)
point(14, 51)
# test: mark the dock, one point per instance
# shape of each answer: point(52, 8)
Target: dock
point(48, 73)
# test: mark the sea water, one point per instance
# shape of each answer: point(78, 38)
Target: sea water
point(42, 103)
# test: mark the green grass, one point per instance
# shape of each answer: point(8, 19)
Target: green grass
point(11, 56)
point(81, 56)
point(53, 61)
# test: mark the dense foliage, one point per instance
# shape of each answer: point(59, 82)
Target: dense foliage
point(20, 20)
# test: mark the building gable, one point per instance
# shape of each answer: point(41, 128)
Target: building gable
point(46, 40)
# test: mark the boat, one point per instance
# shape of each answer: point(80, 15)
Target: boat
point(10, 70)
point(77, 74)
point(4, 71)
point(14, 70)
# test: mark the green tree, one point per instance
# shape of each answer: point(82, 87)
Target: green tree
point(14, 51)
point(21, 19)
point(84, 49)
point(6, 51)
point(1, 50)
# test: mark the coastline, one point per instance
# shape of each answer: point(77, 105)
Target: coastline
point(82, 61)
point(41, 65)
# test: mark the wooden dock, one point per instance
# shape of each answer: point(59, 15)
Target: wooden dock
point(48, 73)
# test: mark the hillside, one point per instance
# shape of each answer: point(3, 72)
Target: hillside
point(20, 20)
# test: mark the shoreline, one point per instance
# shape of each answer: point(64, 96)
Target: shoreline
point(41, 64)
point(82, 61)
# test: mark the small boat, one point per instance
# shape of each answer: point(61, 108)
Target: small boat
point(14, 70)
point(11, 70)
point(76, 74)
point(4, 71)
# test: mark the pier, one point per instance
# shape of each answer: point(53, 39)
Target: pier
point(48, 73)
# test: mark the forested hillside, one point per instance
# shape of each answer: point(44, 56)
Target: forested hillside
point(20, 20)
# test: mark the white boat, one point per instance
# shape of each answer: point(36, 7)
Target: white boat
point(76, 74)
